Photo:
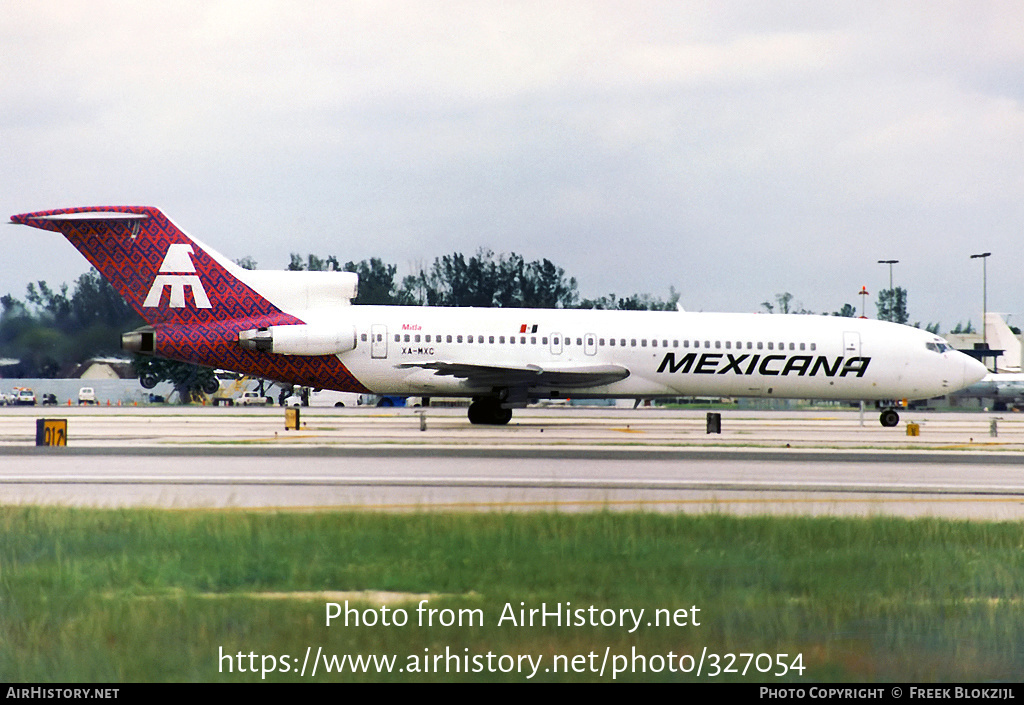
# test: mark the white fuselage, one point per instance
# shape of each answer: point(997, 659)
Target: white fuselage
point(665, 353)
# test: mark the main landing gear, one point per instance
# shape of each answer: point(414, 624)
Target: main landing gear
point(488, 411)
point(889, 418)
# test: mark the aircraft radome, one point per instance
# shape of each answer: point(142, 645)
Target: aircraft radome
point(300, 328)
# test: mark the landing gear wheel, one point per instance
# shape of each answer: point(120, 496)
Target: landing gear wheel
point(211, 386)
point(489, 412)
point(889, 418)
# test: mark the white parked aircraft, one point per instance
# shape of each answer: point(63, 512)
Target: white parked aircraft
point(299, 328)
point(1002, 390)
point(1005, 386)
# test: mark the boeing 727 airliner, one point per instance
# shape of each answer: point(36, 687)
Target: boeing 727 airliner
point(300, 328)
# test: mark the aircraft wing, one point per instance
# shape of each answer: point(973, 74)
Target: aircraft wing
point(524, 376)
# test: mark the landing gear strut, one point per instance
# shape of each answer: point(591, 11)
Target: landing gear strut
point(488, 410)
point(889, 418)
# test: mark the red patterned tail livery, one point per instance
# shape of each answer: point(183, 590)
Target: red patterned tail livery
point(164, 274)
point(194, 299)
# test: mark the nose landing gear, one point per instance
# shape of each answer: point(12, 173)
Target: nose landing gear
point(889, 418)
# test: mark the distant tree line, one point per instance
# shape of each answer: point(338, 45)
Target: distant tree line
point(50, 331)
point(484, 280)
point(891, 306)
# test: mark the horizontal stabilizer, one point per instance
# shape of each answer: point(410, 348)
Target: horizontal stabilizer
point(90, 215)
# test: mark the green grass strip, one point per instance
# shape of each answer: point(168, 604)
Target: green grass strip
point(136, 595)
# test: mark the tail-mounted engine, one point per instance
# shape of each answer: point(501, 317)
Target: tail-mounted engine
point(299, 339)
point(141, 340)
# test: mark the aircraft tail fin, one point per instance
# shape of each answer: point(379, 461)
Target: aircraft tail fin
point(163, 273)
point(199, 306)
point(1002, 338)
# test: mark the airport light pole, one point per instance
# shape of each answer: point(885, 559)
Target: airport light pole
point(984, 294)
point(892, 298)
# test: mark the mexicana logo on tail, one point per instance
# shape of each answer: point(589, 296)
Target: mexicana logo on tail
point(177, 272)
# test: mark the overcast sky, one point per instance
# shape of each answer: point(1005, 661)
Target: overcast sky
point(733, 150)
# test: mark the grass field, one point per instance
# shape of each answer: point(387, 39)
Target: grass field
point(89, 595)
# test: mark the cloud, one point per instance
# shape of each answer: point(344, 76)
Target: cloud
point(732, 149)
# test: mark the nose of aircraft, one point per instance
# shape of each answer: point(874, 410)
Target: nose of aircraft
point(973, 370)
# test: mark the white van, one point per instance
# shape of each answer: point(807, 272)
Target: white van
point(254, 399)
point(326, 398)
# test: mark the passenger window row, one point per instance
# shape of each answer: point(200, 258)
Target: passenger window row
point(600, 342)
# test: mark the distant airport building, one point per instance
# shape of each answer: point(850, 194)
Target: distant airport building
point(101, 368)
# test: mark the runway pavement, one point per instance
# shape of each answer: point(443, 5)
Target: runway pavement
point(565, 459)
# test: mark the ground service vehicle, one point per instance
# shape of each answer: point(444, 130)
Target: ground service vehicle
point(25, 397)
point(254, 399)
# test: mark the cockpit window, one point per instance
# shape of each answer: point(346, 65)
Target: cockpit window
point(939, 347)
